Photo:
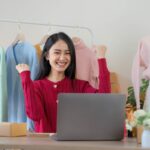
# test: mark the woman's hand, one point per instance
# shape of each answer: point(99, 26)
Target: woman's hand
point(101, 51)
point(22, 67)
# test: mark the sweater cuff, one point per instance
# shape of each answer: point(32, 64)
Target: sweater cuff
point(102, 62)
point(25, 75)
point(103, 66)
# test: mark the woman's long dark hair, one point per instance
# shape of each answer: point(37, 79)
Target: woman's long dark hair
point(45, 68)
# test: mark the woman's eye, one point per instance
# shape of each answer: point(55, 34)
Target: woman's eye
point(68, 53)
point(56, 52)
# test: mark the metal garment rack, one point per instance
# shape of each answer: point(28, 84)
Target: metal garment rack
point(51, 25)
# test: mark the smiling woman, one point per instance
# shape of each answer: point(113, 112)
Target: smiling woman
point(56, 75)
point(59, 59)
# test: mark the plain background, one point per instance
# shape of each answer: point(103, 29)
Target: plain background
point(119, 24)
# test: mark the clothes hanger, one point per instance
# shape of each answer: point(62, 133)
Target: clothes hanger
point(83, 28)
point(46, 36)
point(44, 39)
point(20, 37)
point(76, 40)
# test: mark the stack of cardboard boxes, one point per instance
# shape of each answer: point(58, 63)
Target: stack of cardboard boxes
point(115, 86)
point(13, 129)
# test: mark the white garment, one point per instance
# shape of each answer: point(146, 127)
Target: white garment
point(146, 106)
point(142, 59)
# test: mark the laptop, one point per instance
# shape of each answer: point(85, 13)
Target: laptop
point(90, 117)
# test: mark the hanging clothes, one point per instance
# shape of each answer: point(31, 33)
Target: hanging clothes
point(38, 50)
point(141, 68)
point(39, 46)
point(3, 87)
point(86, 63)
point(22, 52)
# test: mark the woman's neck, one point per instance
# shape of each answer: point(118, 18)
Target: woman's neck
point(55, 77)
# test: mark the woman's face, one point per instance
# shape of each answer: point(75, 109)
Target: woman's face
point(59, 56)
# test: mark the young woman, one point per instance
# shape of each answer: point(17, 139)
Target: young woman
point(56, 75)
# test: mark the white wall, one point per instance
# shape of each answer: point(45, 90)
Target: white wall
point(119, 24)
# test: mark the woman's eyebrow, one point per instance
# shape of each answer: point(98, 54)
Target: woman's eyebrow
point(57, 49)
point(60, 49)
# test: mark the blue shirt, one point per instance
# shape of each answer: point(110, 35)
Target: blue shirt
point(20, 53)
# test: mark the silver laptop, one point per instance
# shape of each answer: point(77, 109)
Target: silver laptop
point(90, 116)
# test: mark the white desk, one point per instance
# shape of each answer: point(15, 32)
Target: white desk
point(46, 143)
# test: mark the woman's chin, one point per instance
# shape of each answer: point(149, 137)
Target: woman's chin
point(61, 70)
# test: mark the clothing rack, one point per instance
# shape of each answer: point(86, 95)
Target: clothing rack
point(51, 25)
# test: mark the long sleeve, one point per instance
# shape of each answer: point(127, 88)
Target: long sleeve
point(33, 97)
point(104, 77)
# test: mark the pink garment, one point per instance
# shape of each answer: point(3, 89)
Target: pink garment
point(141, 60)
point(94, 49)
point(86, 63)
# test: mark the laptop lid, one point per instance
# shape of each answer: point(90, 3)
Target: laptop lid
point(90, 116)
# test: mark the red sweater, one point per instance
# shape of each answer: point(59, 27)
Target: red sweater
point(41, 95)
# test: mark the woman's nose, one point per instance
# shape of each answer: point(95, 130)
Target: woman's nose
point(62, 56)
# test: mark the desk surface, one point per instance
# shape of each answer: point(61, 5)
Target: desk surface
point(46, 143)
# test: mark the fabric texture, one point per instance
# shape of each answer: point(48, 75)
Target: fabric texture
point(86, 64)
point(41, 96)
point(141, 68)
point(20, 53)
point(3, 87)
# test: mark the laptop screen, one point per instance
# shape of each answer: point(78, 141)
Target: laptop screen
point(90, 116)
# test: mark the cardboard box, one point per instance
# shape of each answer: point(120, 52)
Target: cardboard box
point(13, 129)
point(113, 77)
point(139, 134)
point(115, 86)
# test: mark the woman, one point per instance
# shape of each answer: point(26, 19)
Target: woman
point(56, 75)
